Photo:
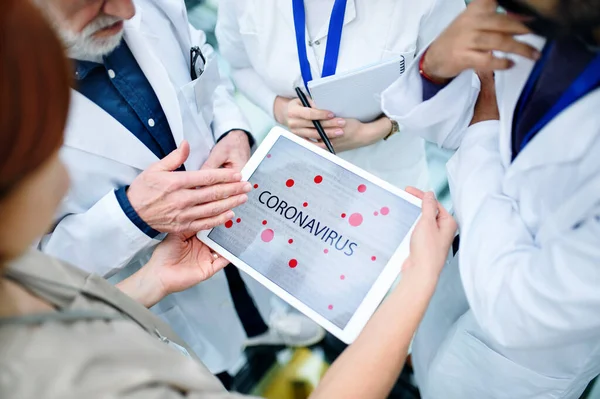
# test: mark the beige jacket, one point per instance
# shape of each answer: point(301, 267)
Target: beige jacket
point(100, 344)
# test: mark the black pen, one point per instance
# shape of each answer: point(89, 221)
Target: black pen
point(317, 124)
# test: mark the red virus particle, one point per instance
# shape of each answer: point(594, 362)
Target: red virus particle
point(355, 219)
point(267, 235)
point(228, 224)
point(318, 179)
point(362, 188)
point(293, 263)
point(289, 183)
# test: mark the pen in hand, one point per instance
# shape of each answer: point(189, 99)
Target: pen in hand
point(317, 124)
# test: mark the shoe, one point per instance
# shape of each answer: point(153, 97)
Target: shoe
point(289, 329)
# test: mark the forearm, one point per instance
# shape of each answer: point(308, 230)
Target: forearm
point(143, 287)
point(371, 365)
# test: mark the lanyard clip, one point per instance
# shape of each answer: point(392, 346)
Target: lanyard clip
point(195, 54)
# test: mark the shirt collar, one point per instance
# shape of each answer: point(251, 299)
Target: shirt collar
point(83, 68)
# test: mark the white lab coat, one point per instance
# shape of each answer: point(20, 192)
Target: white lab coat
point(518, 316)
point(102, 155)
point(258, 39)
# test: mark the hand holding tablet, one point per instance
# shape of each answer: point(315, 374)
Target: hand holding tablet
point(325, 236)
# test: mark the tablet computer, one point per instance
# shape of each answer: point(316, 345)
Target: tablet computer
point(322, 234)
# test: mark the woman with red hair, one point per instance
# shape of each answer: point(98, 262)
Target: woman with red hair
point(67, 334)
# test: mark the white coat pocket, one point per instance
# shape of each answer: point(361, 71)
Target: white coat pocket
point(197, 101)
point(205, 88)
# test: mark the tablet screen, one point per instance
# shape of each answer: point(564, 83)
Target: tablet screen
point(317, 230)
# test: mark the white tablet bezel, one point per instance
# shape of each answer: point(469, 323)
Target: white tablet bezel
point(382, 284)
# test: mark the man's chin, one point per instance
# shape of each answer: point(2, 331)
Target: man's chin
point(95, 47)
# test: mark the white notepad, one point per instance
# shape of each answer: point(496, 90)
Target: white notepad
point(356, 94)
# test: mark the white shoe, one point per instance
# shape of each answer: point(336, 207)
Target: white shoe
point(289, 329)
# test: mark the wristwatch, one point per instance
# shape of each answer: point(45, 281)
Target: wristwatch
point(395, 129)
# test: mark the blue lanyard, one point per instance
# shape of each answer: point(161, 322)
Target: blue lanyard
point(334, 38)
point(584, 84)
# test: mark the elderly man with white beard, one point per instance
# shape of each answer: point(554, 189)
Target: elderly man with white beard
point(154, 146)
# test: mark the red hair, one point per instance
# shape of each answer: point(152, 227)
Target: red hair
point(34, 91)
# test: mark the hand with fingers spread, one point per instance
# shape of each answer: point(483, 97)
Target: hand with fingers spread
point(191, 201)
point(431, 239)
point(469, 41)
point(178, 263)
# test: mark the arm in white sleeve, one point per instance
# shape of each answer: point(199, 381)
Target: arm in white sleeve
point(233, 50)
point(524, 291)
point(101, 240)
point(227, 114)
point(444, 118)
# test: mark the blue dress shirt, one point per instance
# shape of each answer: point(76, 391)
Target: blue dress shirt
point(120, 87)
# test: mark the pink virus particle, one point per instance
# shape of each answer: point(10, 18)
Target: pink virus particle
point(342, 277)
point(330, 307)
point(326, 251)
point(305, 204)
point(373, 258)
point(318, 179)
point(267, 235)
point(355, 219)
point(289, 183)
point(290, 241)
point(385, 211)
point(362, 188)
point(375, 213)
point(228, 224)
point(268, 155)
point(293, 263)
point(343, 216)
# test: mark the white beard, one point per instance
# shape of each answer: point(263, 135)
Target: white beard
point(83, 46)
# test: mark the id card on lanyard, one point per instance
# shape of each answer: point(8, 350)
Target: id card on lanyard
point(586, 82)
point(334, 38)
